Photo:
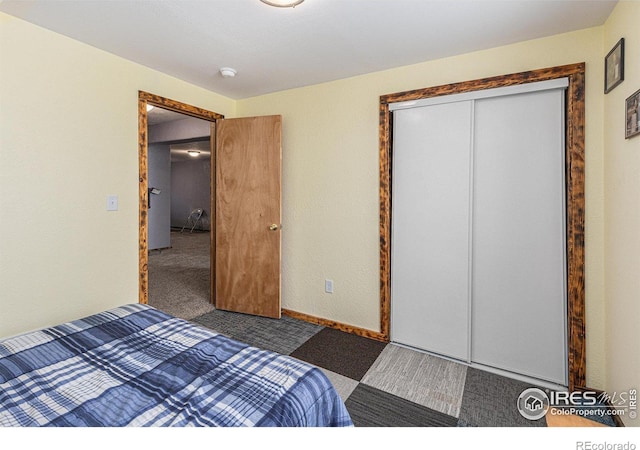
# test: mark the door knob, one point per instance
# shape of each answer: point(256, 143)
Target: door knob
point(273, 227)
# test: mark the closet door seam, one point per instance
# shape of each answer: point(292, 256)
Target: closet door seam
point(470, 231)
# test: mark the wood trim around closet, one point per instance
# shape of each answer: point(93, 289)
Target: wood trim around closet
point(575, 200)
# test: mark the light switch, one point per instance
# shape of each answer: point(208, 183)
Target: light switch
point(112, 203)
point(328, 286)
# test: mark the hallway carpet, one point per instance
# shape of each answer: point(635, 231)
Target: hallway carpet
point(179, 276)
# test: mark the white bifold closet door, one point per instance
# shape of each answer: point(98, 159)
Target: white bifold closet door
point(478, 230)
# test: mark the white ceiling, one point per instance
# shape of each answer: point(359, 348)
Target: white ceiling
point(159, 115)
point(274, 49)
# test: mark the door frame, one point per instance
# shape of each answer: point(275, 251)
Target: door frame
point(145, 98)
point(575, 201)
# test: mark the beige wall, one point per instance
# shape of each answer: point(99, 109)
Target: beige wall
point(68, 138)
point(330, 185)
point(622, 212)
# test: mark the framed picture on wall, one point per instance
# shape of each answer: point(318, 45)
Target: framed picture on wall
point(614, 67)
point(632, 115)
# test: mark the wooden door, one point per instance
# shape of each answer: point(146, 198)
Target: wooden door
point(248, 213)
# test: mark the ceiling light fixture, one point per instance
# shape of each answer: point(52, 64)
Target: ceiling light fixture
point(228, 72)
point(193, 153)
point(282, 3)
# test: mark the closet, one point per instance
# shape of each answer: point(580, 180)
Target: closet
point(478, 266)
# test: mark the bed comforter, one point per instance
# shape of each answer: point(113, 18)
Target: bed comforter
point(137, 366)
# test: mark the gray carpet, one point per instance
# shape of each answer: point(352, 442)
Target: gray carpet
point(371, 407)
point(490, 400)
point(401, 388)
point(382, 385)
point(179, 277)
point(427, 380)
point(279, 335)
point(328, 348)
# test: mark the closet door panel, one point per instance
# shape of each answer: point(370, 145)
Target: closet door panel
point(430, 232)
point(519, 295)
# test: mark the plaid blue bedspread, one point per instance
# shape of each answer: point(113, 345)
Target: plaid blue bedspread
point(137, 366)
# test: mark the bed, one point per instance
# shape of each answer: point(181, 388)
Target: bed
point(137, 366)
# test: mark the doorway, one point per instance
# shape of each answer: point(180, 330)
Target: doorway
point(179, 173)
point(145, 196)
point(245, 209)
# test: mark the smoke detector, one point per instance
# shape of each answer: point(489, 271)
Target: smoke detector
point(228, 72)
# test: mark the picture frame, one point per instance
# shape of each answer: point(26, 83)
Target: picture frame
point(632, 115)
point(614, 67)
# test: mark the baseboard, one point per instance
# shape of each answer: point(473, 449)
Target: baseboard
point(337, 325)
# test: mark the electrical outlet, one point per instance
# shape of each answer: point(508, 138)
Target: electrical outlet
point(328, 286)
